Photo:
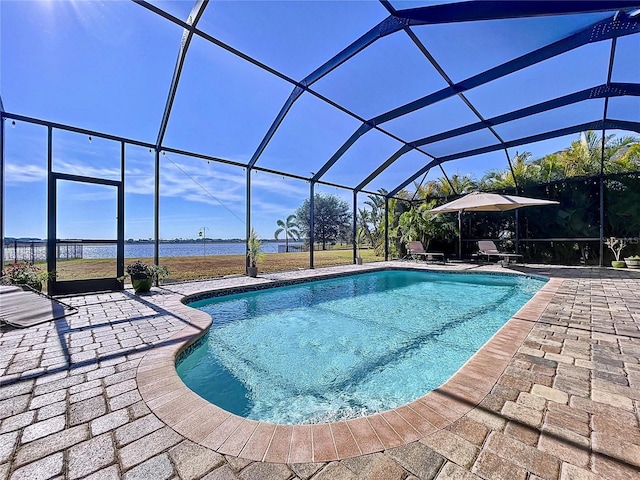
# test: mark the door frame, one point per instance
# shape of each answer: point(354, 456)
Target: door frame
point(65, 287)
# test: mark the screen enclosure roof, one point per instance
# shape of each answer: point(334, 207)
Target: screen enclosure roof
point(358, 94)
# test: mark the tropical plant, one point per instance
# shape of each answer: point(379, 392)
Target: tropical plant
point(459, 185)
point(626, 157)
point(437, 188)
point(290, 229)
point(254, 248)
point(25, 273)
point(419, 223)
point(371, 219)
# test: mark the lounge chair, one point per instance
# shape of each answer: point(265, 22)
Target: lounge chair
point(416, 249)
point(488, 248)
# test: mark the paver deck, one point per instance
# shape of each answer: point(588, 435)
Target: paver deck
point(555, 394)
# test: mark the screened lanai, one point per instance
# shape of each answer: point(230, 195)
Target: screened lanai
point(132, 126)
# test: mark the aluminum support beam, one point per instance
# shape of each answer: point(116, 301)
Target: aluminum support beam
point(615, 26)
point(156, 209)
point(401, 151)
point(187, 35)
point(601, 91)
point(311, 221)
point(386, 27)
point(497, 9)
point(52, 211)
point(247, 264)
point(515, 182)
point(121, 219)
point(597, 125)
point(2, 201)
point(449, 81)
point(386, 228)
point(364, 128)
point(601, 179)
point(82, 131)
point(355, 224)
point(297, 91)
point(599, 31)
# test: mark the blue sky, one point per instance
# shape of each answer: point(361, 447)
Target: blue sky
point(107, 66)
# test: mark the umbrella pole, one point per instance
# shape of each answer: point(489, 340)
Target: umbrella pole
point(460, 235)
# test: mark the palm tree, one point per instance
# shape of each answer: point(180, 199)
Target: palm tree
point(550, 167)
point(524, 172)
point(290, 229)
point(462, 184)
point(623, 155)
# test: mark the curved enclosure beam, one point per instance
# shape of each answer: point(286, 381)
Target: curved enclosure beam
point(601, 91)
point(388, 26)
point(364, 128)
point(297, 91)
point(597, 125)
point(401, 151)
point(616, 26)
point(495, 10)
point(187, 35)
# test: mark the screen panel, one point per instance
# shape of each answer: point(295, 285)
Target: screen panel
point(626, 67)
point(25, 191)
point(105, 66)
point(437, 118)
point(558, 76)
point(224, 105)
point(295, 38)
point(309, 135)
point(575, 114)
point(389, 73)
point(86, 155)
point(468, 48)
point(362, 158)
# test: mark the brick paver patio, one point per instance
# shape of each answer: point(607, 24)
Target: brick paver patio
point(555, 395)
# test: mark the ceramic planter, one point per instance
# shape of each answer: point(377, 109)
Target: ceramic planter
point(252, 271)
point(632, 262)
point(141, 285)
point(618, 264)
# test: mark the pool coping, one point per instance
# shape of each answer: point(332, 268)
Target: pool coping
point(210, 426)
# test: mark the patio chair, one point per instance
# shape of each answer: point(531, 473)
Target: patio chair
point(416, 249)
point(489, 248)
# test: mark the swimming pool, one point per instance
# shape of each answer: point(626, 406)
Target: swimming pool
point(335, 349)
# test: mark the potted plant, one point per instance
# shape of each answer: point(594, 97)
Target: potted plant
point(25, 273)
point(616, 245)
point(143, 275)
point(254, 253)
point(633, 262)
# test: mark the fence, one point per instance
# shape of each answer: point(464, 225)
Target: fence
point(36, 251)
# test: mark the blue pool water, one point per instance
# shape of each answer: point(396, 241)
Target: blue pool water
point(341, 348)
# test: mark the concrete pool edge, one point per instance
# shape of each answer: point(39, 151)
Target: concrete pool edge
point(208, 425)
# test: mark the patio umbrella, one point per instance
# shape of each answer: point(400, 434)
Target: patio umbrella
point(486, 202)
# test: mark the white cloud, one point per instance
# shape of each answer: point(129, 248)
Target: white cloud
point(16, 174)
